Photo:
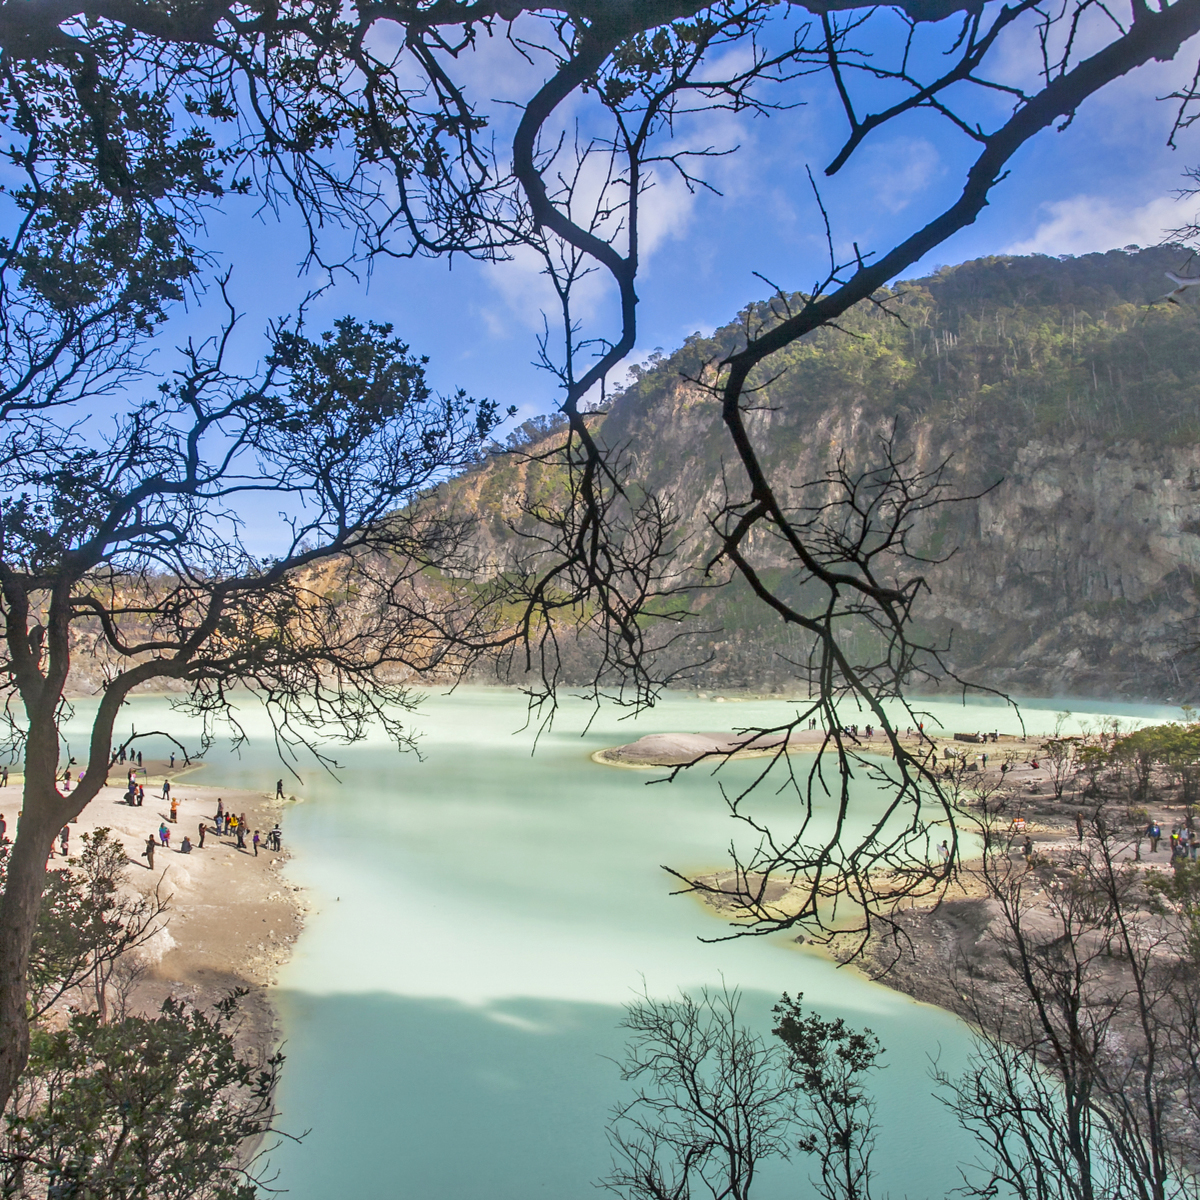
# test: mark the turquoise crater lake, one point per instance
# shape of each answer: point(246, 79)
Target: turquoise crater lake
point(482, 914)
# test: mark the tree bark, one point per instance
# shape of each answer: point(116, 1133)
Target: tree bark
point(43, 814)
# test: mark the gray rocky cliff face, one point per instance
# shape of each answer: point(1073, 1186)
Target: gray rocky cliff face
point(1078, 573)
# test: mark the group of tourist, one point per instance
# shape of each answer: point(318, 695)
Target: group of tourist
point(225, 824)
point(1184, 842)
point(135, 793)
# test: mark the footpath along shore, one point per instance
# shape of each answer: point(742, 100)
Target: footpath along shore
point(232, 918)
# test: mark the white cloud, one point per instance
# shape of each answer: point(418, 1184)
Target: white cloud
point(896, 172)
point(1082, 224)
point(665, 210)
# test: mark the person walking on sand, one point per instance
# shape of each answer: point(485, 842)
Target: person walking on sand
point(1079, 825)
point(139, 758)
point(174, 811)
point(241, 836)
point(203, 831)
point(1154, 833)
point(3, 777)
point(1027, 850)
point(148, 853)
point(164, 836)
point(256, 841)
point(166, 789)
point(172, 760)
point(279, 789)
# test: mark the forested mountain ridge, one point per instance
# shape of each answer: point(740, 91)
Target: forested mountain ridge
point(1054, 380)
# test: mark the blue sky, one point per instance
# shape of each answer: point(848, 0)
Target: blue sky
point(1107, 181)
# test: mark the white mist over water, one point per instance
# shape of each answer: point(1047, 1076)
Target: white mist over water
point(482, 915)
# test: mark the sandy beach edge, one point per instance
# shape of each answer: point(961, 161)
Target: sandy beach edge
point(232, 918)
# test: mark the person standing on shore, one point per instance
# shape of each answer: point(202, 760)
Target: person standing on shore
point(141, 795)
point(220, 813)
point(3, 777)
point(172, 760)
point(164, 836)
point(148, 853)
point(174, 811)
point(275, 838)
point(203, 831)
point(166, 789)
point(279, 789)
point(256, 841)
point(241, 835)
point(1154, 833)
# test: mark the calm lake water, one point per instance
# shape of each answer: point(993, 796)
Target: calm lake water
point(484, 913)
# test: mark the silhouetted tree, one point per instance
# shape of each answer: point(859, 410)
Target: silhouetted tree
point(126, 545)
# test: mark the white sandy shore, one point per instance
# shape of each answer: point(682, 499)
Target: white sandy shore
point(232, 918)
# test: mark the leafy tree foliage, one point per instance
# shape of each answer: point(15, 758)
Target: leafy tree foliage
point(87, 925)
point(114, 1104)
point(145, 1106)
point(832, 1062)
point(715, 1100)
point(128, 545)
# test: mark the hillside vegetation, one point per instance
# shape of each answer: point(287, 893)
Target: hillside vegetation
point(1057, 380)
